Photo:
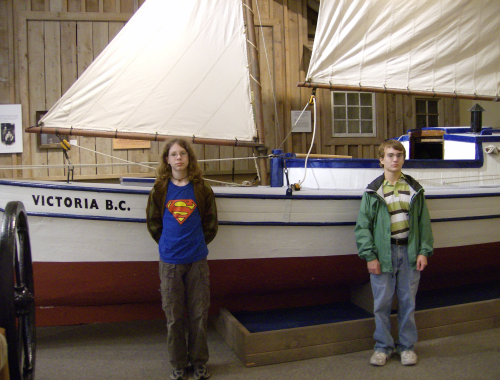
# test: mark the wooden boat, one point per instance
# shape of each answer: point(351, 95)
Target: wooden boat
point(277, 247)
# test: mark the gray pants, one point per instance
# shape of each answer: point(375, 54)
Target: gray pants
point(185, 289)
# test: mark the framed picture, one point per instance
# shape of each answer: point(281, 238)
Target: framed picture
point(11, 130)
point(44, 140)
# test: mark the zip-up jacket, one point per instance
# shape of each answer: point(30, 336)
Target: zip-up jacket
point(373, 227)
point(205, 200)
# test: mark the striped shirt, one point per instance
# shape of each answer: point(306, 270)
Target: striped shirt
point(397, 198)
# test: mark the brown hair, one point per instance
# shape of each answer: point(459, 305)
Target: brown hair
point(394, 144)
point(164, 171)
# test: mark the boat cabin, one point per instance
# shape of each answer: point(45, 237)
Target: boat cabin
point(426, 144)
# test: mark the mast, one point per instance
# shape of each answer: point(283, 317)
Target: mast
point(256, 88)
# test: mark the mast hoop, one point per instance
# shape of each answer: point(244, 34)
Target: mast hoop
point(255, 80)
point(252, 44)
point(249, 8)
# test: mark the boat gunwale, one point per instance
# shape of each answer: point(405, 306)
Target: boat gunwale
point(495, 191)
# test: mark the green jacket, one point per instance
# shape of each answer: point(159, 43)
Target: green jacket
point(373, 228)
point(205, 200)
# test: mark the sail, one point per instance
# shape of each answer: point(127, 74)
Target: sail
point(177, 68)
point(441, 46)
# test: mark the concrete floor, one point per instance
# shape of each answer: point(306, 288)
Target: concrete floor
point(137, 350)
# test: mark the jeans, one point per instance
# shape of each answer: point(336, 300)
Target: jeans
point(404, 282)
point(185, 288)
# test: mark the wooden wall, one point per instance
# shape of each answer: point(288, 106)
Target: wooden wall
point(45, 45)
point(395, 115)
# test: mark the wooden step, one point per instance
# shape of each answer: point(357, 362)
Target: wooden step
point(278, 346)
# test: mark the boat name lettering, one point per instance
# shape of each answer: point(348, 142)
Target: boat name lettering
point(84, 203)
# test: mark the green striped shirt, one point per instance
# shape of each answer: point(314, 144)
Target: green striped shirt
point(397, 198)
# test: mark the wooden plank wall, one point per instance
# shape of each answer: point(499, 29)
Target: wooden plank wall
point(45, 45)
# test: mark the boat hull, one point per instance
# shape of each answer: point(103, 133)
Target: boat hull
point(85, 292)
point(272, 250)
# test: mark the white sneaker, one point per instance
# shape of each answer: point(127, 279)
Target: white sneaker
point(408, 357)
point(379, 358)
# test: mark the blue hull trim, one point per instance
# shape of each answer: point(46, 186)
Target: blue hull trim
point(222, 223)
point(93, 189)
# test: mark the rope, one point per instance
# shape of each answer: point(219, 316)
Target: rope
point(249, 8)
point(291, 130)
point(233, 159)
point(312, 142)
point(251, 43)
point(115, 158)
point(444, 181)
point(255, 80)
point(56, 166)
point(256, 167)
point(128, 163)
point(491, 149)
point(233, 184)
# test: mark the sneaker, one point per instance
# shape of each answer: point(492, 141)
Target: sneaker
point(201, 372)
point(408, 357)
point(179, 374)
point(379, 358)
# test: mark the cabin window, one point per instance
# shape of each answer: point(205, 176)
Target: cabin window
point(427, 113)
point(353, 114)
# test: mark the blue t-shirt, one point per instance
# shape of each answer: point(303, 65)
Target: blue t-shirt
point(182, 240)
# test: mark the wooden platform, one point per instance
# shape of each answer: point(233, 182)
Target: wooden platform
point(271, 347)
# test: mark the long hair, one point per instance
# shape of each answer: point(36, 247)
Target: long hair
point(394, 144)
point(164, 171)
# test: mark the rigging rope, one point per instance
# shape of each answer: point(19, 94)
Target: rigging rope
point(143, 164)
point(312, 101)
point(291, 130)
point(128, 163)
point(112, 157)
point(313, 98)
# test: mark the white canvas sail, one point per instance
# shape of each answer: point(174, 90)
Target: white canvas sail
point(177, 68)
point(442, 46)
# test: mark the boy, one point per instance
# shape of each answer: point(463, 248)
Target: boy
point(393, 234)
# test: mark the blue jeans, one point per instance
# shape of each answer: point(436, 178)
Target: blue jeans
point(404, 282)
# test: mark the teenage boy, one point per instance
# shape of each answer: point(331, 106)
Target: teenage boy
point(393, 234)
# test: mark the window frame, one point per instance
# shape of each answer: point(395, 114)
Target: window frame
point(373, 115)
point(438, 115)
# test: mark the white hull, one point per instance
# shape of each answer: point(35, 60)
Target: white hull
point(254, 222)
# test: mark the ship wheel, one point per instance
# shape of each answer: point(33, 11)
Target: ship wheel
point(17, 306)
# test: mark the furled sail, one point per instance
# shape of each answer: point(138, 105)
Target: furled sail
point(177, 68)
point(434, 46)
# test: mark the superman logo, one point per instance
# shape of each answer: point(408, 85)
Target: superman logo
point(181, 208)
